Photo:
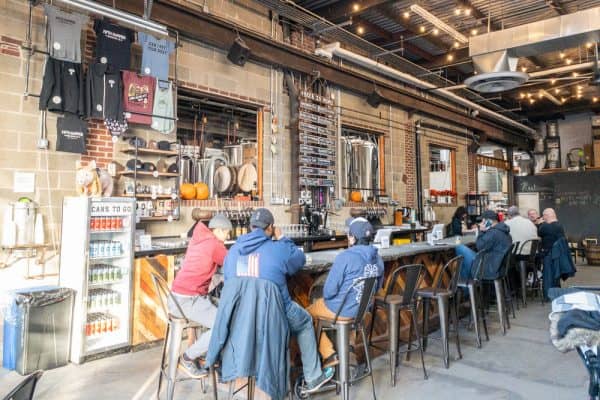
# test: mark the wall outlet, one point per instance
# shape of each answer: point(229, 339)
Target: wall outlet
point(287, 201)
point(276, 201)
point(43, 144)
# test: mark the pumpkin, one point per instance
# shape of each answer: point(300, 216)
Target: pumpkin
point(355, 196)
point(201, 191)
point(187, 191)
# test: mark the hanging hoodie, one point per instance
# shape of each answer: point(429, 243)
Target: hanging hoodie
point(163, 107)
point(138, 97)
point(257, 255)
point(360, 261)
point(62, 87)
point(495, 242)
point(104, 90)
point(204, 253)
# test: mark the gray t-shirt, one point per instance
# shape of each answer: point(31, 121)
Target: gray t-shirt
point(64, 34)
point(155, 55)
point(163, 107)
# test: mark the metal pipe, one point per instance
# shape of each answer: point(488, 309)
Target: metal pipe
point(335, 49)
point(419, 172)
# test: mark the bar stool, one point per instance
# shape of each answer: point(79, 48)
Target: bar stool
point(524, 262)
point(172, 344)
point(473, 286)
point(499, 283)
point(393, 303)
point(444, 296)
point(343, 326)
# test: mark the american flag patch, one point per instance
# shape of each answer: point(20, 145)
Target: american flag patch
point(248, 266)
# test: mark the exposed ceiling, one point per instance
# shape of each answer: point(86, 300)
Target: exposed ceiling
point(392, 26)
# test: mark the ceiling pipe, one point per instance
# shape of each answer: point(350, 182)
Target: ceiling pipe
point(335, 49)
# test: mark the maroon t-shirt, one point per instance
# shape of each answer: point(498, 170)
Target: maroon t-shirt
point(138, 97)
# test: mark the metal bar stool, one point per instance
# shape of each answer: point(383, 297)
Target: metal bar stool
point(444, 294)
point(393, 303)
point(343, 326)
point(509, 292)
point(172, 344)
point(499, 289)
point(473, 286)
point(524, 262)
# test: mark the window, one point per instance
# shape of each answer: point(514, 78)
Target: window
point(442, 169)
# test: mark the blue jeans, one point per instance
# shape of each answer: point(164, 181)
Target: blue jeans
point(467, 264)
point(301, 326)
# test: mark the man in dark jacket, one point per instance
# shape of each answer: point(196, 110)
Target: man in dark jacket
point(257, 255)
point(359, 261)
point(494, 240)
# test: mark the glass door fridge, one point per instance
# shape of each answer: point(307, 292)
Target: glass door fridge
point(96, 260)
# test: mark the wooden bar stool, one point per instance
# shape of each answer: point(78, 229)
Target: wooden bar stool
point(393, 302)
point(445, 295)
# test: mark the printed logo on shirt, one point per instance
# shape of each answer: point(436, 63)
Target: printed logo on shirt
point(138, 94)
point(369, 271)
point(113, 35)
point(64, 20)
point(158, 47)
point(111, 82)
point(56, 99)
point(56, 46)
point(72, 134)
point(71, 71)
point(248, 265)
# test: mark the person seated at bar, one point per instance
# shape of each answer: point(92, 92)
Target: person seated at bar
point(534, 217)
point(458, 219)
point(204, 254)
point(555, 251)
point(494, 239)
point(256, 254)
point(521, 229)
point(358, 261)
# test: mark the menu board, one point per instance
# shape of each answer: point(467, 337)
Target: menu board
point(317, 137)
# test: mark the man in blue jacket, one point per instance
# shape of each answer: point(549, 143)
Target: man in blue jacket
point(359, 261)
point(494, 239)
point(257, 255)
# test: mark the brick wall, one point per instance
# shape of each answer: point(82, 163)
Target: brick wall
point(300, 39)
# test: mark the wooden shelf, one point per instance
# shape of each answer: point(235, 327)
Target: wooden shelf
point(150, 152)
point(149, 174)
point(149, 196)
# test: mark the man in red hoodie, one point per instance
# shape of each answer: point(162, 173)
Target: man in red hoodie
point(205, 253)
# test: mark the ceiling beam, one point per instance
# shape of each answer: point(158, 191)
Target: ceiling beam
point(459, 56)
point(477, 14)
point(345, 8)
point(557, 6)
point(391, 38)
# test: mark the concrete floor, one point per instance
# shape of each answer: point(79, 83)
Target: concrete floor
point(521, 365)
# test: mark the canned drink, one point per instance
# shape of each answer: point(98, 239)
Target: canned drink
point(114, 248)
point(118, 297)
point(119, 223)
point(119, 273)
point(109, 324)
point(92, 224)
point(115, 323)
point(102, 324)
point(92, 250)
point(103, 222)
point(88, 328)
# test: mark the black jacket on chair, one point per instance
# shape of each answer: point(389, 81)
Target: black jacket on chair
point(558, 265)
point(494, 242)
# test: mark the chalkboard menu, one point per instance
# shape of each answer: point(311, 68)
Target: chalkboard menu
point(574, 195)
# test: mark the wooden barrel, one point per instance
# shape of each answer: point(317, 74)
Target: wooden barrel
point(592, 253)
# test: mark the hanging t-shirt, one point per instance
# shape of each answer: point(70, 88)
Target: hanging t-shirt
point(155, 55)
point(64, 34)
point(163, 107)
point(104, 93)
point(113, 45)
point(62, 87)
point(138, 97)
point(71, 134)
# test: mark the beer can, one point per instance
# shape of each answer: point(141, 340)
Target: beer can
point(92, 251)
point(115, 323)
point(119, 223)
point(92, 224)
point(102, 324)
point(119, 273)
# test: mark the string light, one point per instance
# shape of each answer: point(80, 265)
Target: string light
point(579, 87)
point(457, 11)
point(467, 11)
point(522, 95)
point(435, 31)
point(541, 94)
point(355, 7)
point(589, 45)
point(422, 28)
point(524, 69)
point(456, 45)
point(568, 61)
point(562, 99)
point(575, 74)
point(528, 95)
point(474, 32)
point(556, 91)
point(531, 101)
point(360, 30)
point(450, 57)
point(579, 95)
point(553, 81)
point(406, 15)
point(595, 99)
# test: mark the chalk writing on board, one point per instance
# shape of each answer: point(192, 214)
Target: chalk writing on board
point(577, 199)
point(529, 187)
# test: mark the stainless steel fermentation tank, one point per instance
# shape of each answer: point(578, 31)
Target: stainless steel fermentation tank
point(359, 165)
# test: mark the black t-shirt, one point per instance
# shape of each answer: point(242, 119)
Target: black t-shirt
point(71, 133)
point(113, 45)
point(550, 233)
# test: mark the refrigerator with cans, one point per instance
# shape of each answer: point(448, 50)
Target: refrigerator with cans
point(96, 260)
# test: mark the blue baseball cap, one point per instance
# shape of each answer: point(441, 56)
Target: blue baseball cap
point(261, 218)
point(361, 229)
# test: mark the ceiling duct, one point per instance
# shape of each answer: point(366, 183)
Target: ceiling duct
point(332, 49)
point(495, 54)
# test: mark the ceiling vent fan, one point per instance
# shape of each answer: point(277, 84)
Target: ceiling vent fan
point(495, 82)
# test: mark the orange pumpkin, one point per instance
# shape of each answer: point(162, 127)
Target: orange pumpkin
point(201, 191)
point(355, 196)
point(187, 191)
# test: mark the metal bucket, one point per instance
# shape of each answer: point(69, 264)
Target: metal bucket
point(235, 154)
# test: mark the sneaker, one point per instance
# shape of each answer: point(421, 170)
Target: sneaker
point(190, 368)
point(315, 385)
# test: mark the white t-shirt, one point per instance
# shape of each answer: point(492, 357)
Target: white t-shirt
point(522, 230)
